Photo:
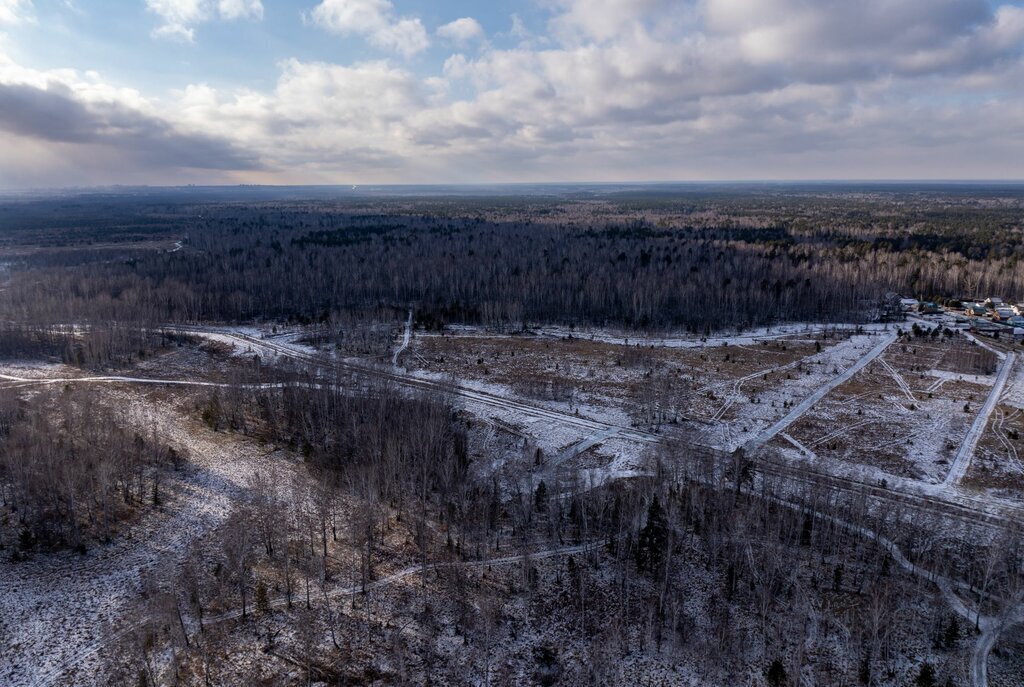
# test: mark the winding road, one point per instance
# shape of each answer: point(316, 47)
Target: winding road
point(406, 337)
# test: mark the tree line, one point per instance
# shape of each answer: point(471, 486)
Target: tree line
point(646, 265)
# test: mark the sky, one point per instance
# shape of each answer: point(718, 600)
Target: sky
point(452, 91)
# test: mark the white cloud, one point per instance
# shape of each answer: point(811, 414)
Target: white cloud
point(240, 9)
point(602, 20)
point(180, 17)
point(15, 11)
point(375, 20)
point(615, 89)
point(462, 31)
point(518, 29)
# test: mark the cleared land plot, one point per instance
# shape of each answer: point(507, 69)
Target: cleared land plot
point(765, 398)
point(903, 414)
point(999, 459)
point(641, 385)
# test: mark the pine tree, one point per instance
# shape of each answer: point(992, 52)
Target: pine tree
point(926, 677)
point(776, 674)
point(650, 552)
point(540, 496)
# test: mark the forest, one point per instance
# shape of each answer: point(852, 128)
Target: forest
point(563, 436)
point(701, 262)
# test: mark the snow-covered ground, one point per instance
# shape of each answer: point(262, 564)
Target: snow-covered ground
point(805, 404)
point(57, 609)
point(743, 337)
point(750, 421)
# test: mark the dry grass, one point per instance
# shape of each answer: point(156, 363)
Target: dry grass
point(999, 459)
point(894, 415)
point(563, 369)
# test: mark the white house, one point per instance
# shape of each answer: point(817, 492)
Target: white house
point(909, 304)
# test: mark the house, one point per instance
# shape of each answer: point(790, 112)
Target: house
point(992, 303)
point(987, 328)
point(1015, 321)
point(1002, 313)
point(909, 304)
point(1019, 309)
point(928, 308)
point(975, 310)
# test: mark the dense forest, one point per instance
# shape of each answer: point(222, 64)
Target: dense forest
point(699, 262)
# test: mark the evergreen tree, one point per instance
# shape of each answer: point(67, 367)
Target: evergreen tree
point(776, 674)
point(926, 677)
point(540, 496)
point(650, 551)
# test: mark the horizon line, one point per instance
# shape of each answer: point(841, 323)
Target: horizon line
point(505, 184)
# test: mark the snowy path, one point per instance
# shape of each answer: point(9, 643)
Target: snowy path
point(406, 336)
point(472, 395)
point(898, 378)
point(990, 630)
point(579, 447)
point(804, 451)
point(990, 626)
point(55, 606)
point(737, 385)
point(747, 337)
point(110, 379)
point(798, 410)
point(963, 457)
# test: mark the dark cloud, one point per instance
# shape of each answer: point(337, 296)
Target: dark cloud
point(55, 115)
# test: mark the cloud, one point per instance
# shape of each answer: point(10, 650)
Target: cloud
point(15, 11)
point(55, 115)
point(181, 16)
point(831, 40)
point(376, 21)
point(605, 89)
point(319, 119)
point(462, 31)
point(65, 117)
point(240, 9)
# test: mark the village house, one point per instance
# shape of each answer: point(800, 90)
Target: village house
point(992, 303)
point(1002, 313)
point(909, 304)
point(975, 310)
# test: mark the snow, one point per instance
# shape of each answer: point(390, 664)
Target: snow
point(970, 443)
point(65, 605)
point(820, 392)
point(406, 336)
point(819, 372)
point(743, 337)
point(944, 376)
